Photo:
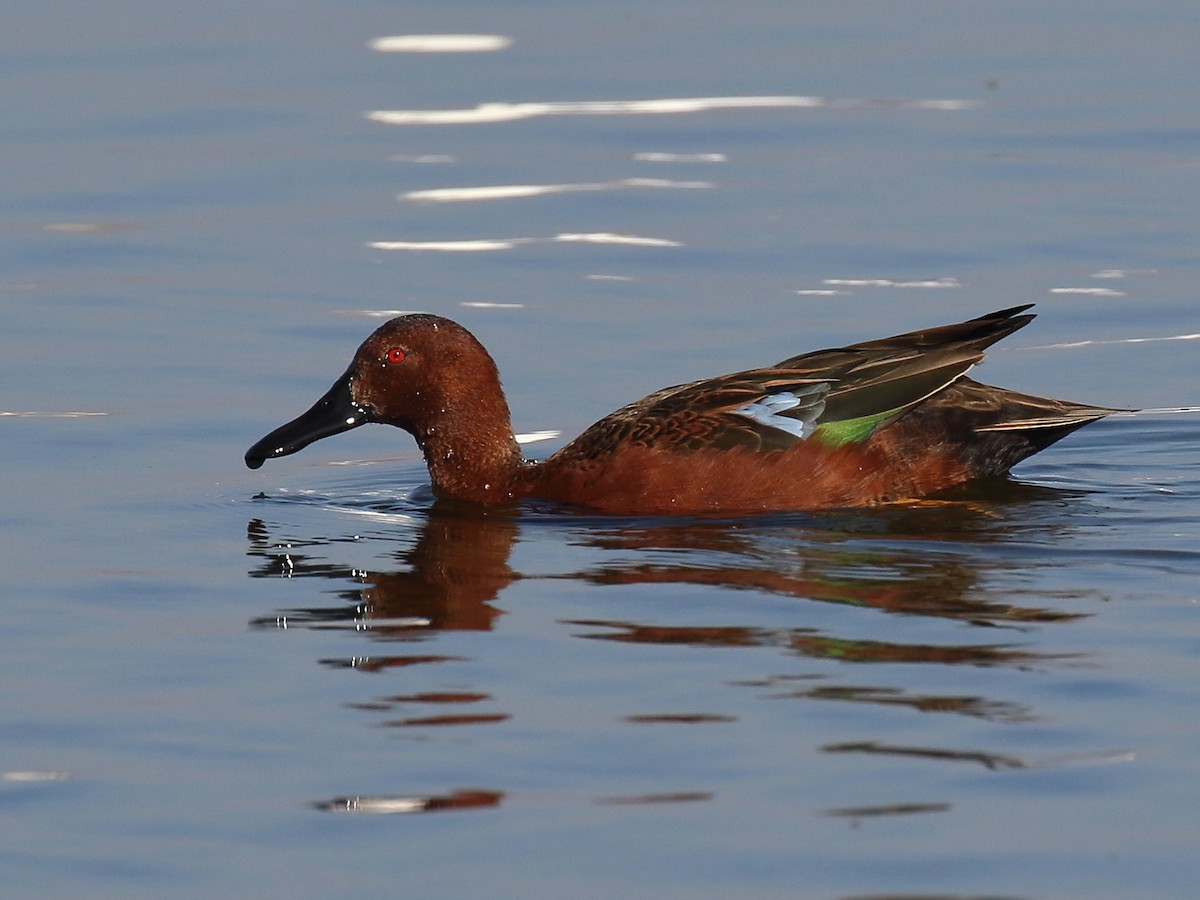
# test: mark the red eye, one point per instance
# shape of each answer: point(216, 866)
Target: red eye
point(396, 355)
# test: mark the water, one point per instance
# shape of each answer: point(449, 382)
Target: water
point(312, 678)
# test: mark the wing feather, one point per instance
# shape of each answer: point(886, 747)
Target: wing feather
point(839, 395)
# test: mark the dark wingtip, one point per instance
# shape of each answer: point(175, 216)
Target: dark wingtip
point(254, 461)
point(1007, 313)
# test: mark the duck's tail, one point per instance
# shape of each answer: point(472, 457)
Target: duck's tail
point(998, 428)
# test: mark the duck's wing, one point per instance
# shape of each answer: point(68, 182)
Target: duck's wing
point(978, 333)
point(762, 409)
point(876, 380)
point(834, 396)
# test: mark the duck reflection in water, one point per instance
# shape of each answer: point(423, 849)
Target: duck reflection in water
point(453, 574)
point(451, 577)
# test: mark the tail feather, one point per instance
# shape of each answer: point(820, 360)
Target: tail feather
point(1032, 424)
point(997, 428)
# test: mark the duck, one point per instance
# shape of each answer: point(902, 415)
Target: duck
point(884, 421)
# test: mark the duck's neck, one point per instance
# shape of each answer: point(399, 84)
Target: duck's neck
point(470, 450)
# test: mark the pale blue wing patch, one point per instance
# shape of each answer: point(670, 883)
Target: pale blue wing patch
point(794, 412)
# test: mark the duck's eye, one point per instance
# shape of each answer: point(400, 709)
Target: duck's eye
point(395, 355)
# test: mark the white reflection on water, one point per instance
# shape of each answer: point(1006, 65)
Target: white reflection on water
point(473, 246)
point(1136, 340)
point(1088, 291)
point(1122, 273)
point(425, 158)
point(608, 237)
point(890, 282)
point(510, 112)
point(35, 414)
point(440, 43)
point(486, 244)
point(375, 313)
point(512, 191)
point(657, 156)
point(532, 437)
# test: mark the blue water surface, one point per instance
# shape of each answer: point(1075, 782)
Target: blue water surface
point(312, 679)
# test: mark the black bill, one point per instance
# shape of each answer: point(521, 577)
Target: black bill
point(332, 414)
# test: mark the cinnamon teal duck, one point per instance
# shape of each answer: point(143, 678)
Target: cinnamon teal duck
point(882, 421)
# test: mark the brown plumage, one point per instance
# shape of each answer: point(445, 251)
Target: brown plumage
point(875, 422)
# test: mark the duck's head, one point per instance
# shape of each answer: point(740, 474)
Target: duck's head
point(413, 372)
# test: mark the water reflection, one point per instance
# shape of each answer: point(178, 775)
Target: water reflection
point(987, 760)
point(498, 111)
point(923, 560)
point(977, 707)
point(808, 643)
point(458, 566)
point(889, 809)
point(476, 798)
point(650, 799)
point(455, 800)
point(980, 757)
